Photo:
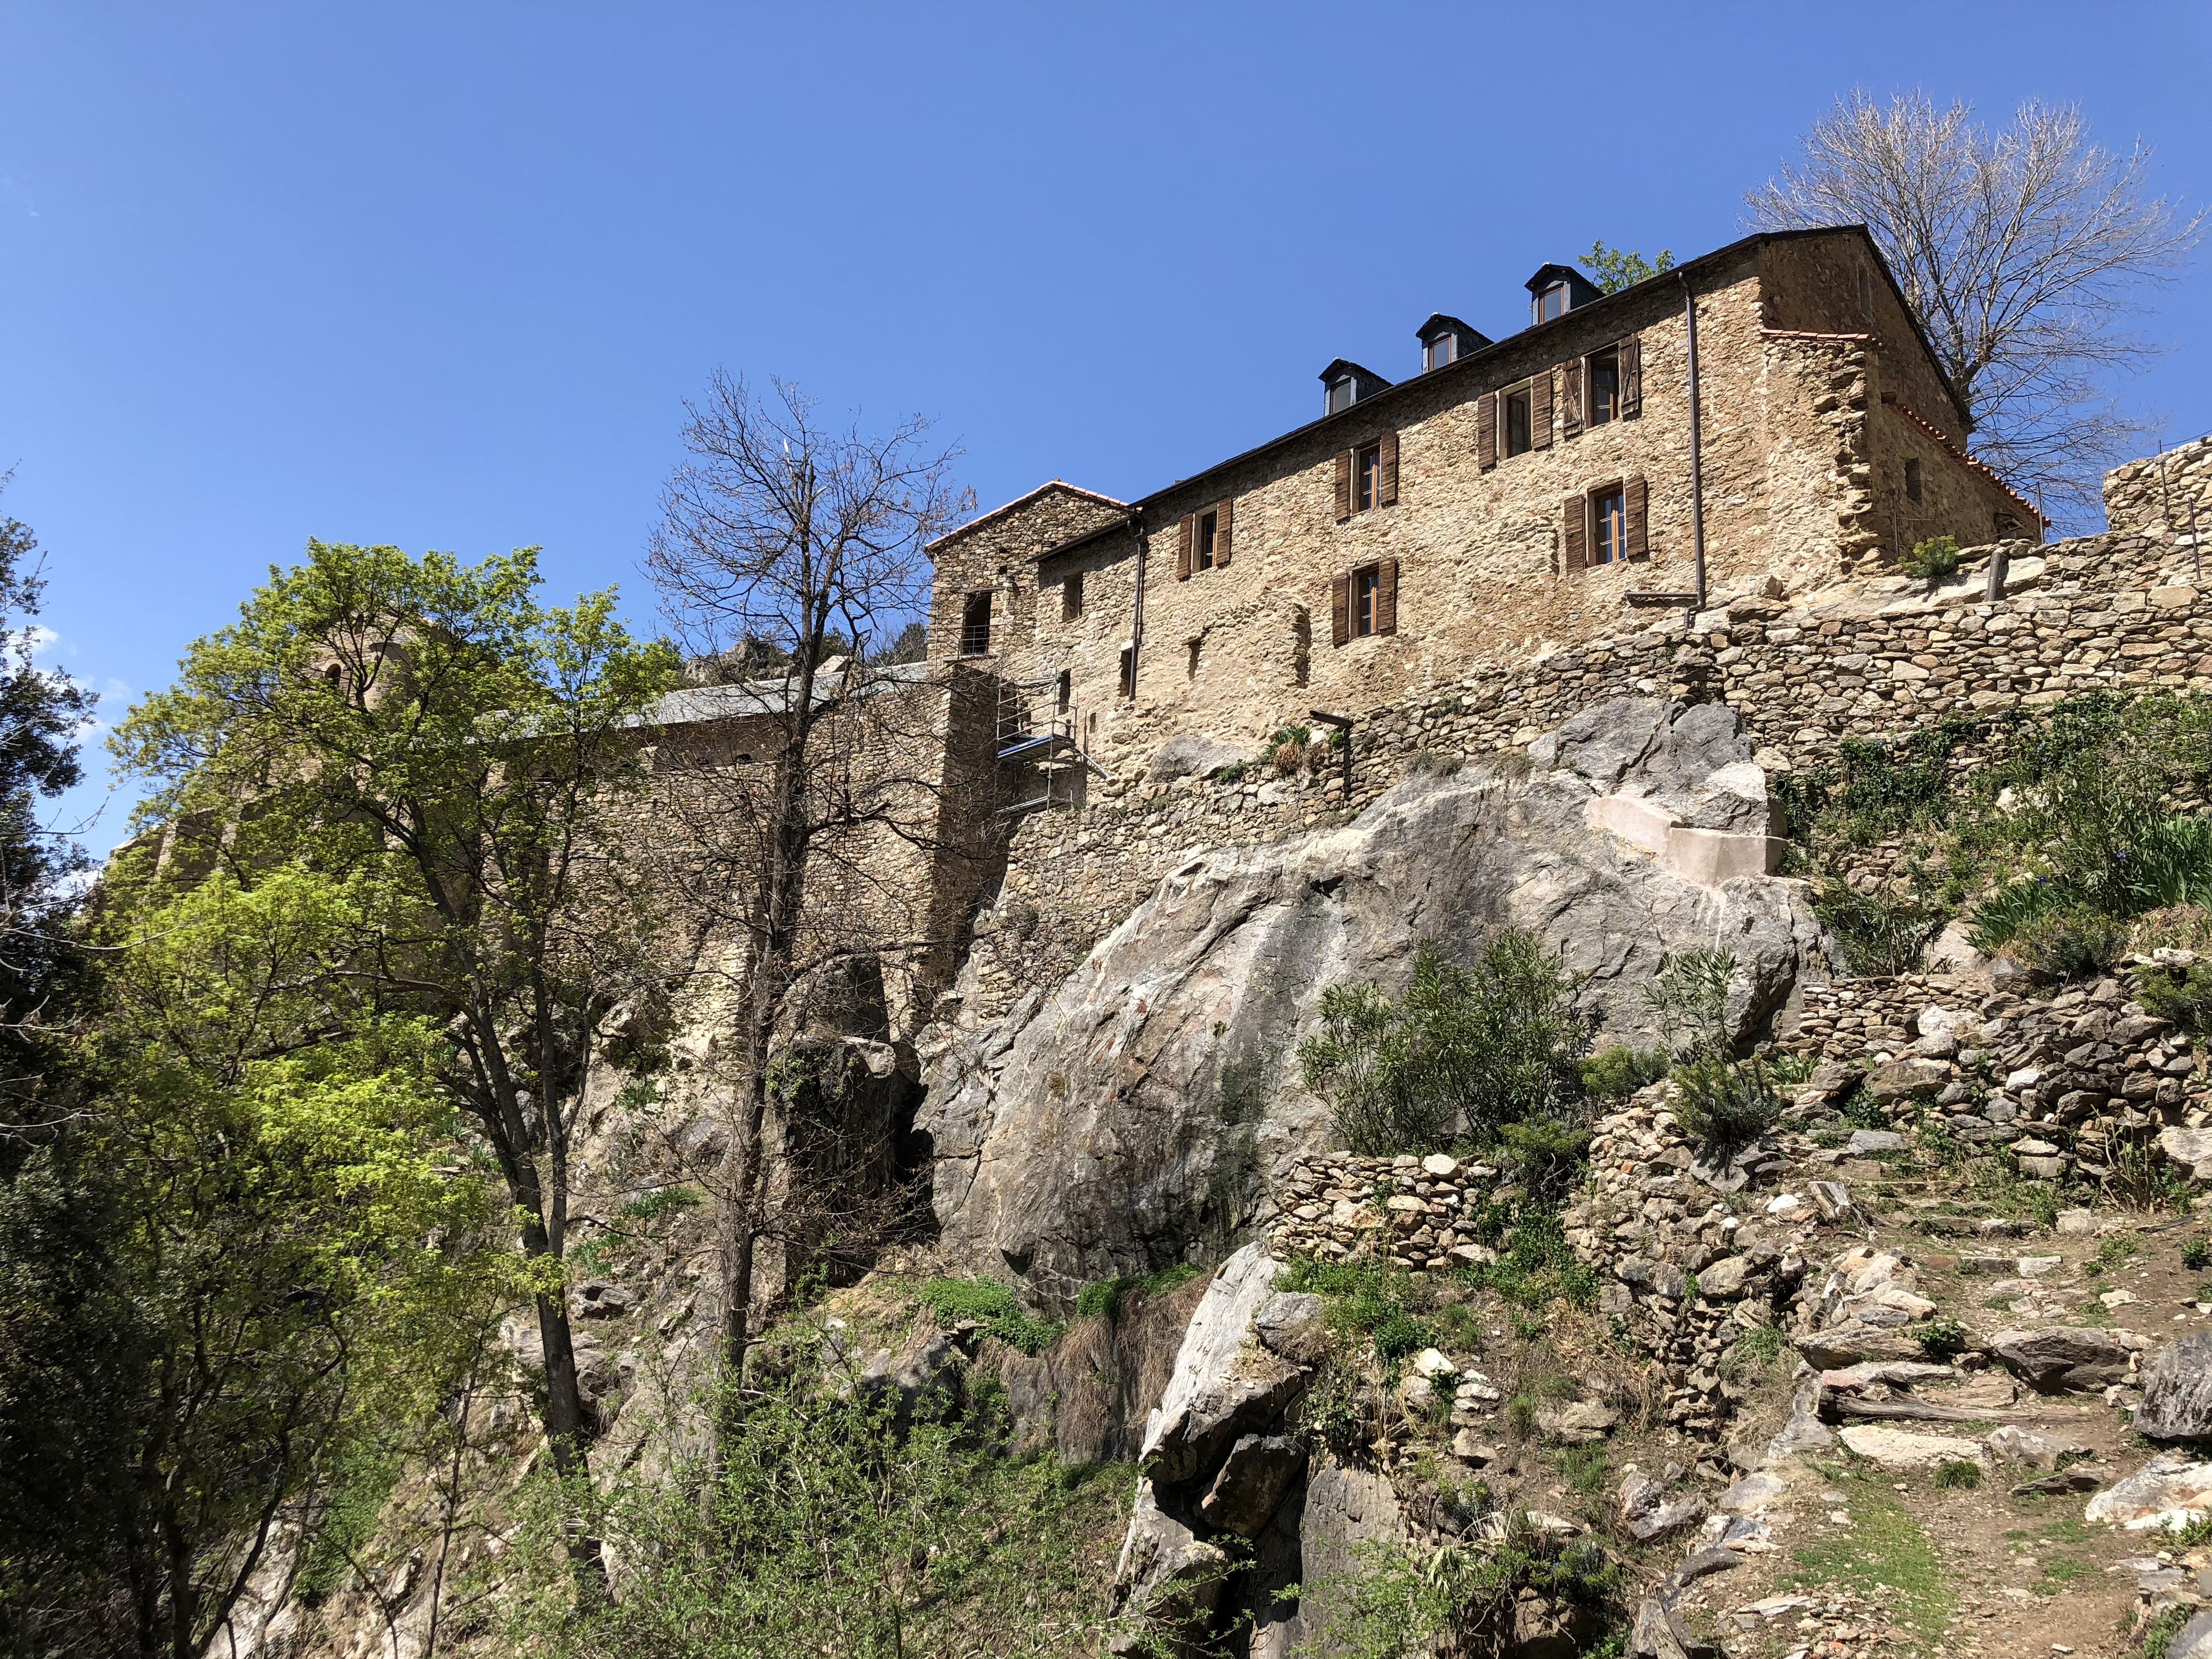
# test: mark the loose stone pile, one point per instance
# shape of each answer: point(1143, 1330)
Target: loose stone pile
point(1412, 1212)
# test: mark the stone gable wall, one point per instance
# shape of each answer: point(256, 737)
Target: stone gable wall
point(1867, 660)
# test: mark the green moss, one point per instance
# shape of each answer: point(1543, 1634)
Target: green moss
point(1104, 1300)
point(992, 1305)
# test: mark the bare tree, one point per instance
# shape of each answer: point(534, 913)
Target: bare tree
point(2021, 252)
point(799, 554)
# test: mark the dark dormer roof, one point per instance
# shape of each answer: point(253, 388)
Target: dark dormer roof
point(1367, 380)
point(1581, 291)
point(1470, 339)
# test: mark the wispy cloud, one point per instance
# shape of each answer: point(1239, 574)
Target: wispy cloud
point(14, 190)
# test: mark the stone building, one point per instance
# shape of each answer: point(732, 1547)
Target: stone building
point(1509, 498)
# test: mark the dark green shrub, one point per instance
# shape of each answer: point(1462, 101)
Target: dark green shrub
point(2183, 997)
point(1939, 1339)
point(1956, 1474)
point(2071, 945)
point(1931, 560)
point(1474, 1048)
point(1547, 1155)
point(1615, 1073)
point(2196, 1254)
point(1723, 1103)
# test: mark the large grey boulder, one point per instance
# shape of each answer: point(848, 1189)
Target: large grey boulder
point(1345, 1506)
point(1190, 755)
point(1168, 1579)
point(1143, 1107)
point(1258, 1470)
point(2169, 1493)
point(1294, 1324)
point(2061, 1358)
point(2177, 1391)
point(1224, 1385)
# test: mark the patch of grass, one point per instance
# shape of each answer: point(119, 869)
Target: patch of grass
point(2198, 1531)
point(1104, 1300)
point(1754, 1353)
point(2116, 1249)
point(1618, 1072)
point(2060, 1571)
point(1585, 1469)
point(1885, 1546)
point(2198, 1253)
point(992, 1305)
point(1958, 1473)
point(2158, 1636)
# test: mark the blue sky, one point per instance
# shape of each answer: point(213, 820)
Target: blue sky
point(441, 276)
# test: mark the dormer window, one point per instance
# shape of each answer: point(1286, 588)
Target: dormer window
point(1347, 383)
point(1552, 302)
point(1555, 290)
point(1446, 340)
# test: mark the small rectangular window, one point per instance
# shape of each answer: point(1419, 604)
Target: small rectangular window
point(1913, 481)
point(1209, 525)
point(1367, 477)
point(1064, 694)
point(1604, 389)
point(1192, 673)
point(1365, 584)
point(1071, 596)
point(1340, 395)
point(1553, 302)
point(976, 624)
point(1608, 525)
point(1519, 424)
point(1440, 351)
point(1129, 673)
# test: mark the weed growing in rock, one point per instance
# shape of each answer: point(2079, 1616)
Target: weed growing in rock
point(1104, 1300)
point(1939, 1339)
point(1931, 560)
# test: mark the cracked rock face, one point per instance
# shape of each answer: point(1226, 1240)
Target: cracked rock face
point(1132, 1115)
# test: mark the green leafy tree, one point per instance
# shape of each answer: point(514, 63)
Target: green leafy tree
point(432, 727)
point(1615, 268)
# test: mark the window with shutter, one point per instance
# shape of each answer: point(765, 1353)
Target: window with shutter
point(1366, 583)
point(1636, 534)
point(1386, 489)
point(1340, 607)
point(1608, 515)
point(1343, 485)
point(1366, 477)
point(1386, 597)
point(1209, 528)
point(1570, 399)
point(1183, 548)
point(1519, 421)
point(1225, 516)
point(1485, 431)
point(1629, 356)
point(1575, 558)
point(1603, 401)
point(1540, 410)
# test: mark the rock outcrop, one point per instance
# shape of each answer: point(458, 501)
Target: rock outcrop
point(1135, 1113)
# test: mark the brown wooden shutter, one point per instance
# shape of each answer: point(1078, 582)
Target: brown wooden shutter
point(1577, 532)
point(1182, 547)
point(1386, 597)
point(1224, 517)
point(1634, 535)
point(1386, 490)
point(1339, 608)
point(1540, 411)
point(1343, 485)
point(1570, 399)
point(1485, 431)
point(1631, 376)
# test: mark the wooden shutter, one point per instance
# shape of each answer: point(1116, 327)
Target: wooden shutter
point(1385, 488)
point(1343, 485)
point(1540, 411)
point(1386, 597)
point(1485, 431)
point(1570, 399)
point(1631, 376)
point(1577, 533)
point(1634, 535)
point(1223, 518)
point(1182, 546)
point(1339, 608)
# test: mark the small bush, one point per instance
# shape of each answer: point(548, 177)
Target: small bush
point(1723, 1103)
point(1877, 933)
point(2073, 945)
point(992, 1305)
point(1939, 1339)
point(1956, 1474)
point(1931, 560)
point(2183, 997)
point(2196, 1254)
point(2014, 909)
point(1615, 1073)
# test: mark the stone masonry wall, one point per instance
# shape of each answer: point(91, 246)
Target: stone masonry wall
point(2116, 611)
point(2157, 494)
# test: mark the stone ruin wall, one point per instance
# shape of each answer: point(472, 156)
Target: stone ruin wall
point(2118, 611)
